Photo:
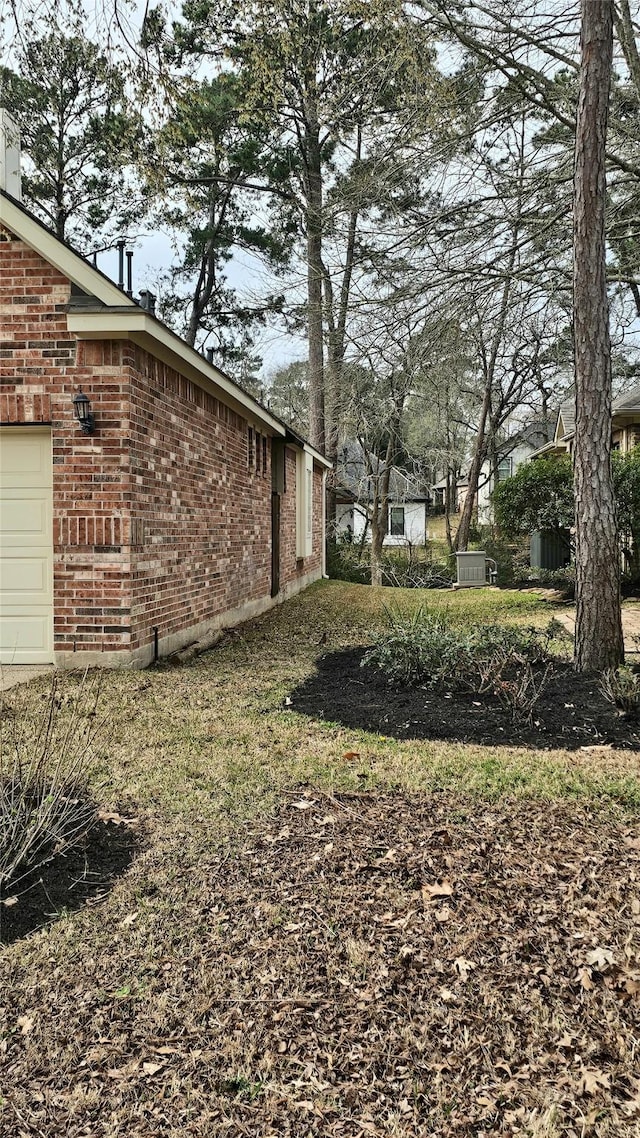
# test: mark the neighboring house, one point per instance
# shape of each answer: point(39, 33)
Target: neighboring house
point(457, 492)
point(182, 504)
point(552, 549)
point(515, 450)
point(408, 502)
point(625, 426)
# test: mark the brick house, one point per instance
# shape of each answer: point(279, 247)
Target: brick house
point(188, 508)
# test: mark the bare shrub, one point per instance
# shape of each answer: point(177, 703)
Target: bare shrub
point(45, 805)
point(621, 686)
point(515, 682)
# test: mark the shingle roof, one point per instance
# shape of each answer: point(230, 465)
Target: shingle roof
point(630, 401)
point(567, 413)
point(352, 476)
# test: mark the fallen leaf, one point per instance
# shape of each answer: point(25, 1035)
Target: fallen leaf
point(25, 1023)
point(9, 901)
point(351, 755)
point(632, 1106)
point(447, 996)
point(440, 889)
point(130, 919)
point(463, 966)
point(601, 959)
point(113, 816)
point(152, 1068)
point(443, 914)
point(591, 1081)
point(303, 804)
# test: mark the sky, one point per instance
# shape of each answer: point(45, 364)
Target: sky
point(118, 22)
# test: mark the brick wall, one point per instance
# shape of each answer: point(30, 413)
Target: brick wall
point(41, 366)
point(203, 515)
point(160, 521)
point(291, 568)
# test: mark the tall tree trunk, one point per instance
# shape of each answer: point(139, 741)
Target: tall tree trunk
point(378, 534)
point(450, 495)
point(464, 527)
point(314, 281)
point(379, 513)
point(334, 371)
point(598, 643)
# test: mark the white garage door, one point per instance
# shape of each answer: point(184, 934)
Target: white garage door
point(26, 547)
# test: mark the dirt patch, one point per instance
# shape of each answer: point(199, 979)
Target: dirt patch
point(572, 711)
point(80, 876)
point(356, 965)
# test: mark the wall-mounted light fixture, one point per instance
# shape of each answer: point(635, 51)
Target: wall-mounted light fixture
point(82, 412)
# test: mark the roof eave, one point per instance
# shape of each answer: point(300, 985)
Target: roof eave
point(149, 333)
point(298, 441)
point(57, 253)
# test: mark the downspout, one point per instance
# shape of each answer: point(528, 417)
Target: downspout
point(324, 525)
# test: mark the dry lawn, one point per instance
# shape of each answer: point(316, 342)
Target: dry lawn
point(326, 932)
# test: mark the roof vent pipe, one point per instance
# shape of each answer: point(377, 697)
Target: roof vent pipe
point(10, 177)
point(129, 272)
point(120, 246)
point(209, 355)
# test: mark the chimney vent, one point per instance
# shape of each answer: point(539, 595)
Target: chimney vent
point(148, 300)
point(10, 178)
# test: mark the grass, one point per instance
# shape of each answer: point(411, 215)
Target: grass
point(202, 755)
point(214, 738)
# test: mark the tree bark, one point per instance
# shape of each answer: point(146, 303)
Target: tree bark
point(464, 528)
point(598, 640)
point(379, 519)
point(315, 329)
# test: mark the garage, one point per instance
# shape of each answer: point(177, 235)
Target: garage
point(26, 546)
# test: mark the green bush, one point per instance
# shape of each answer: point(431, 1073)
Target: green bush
point(345, 564)
point(508, 555)
point(509, 661)
point(564, 580)
point(539, 496)
point(424, 648)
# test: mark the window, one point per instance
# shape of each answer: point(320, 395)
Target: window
point(264, 454)
point(250, 458)
point(304, 504)
point(396, 521)
point(258, 452)
point(309, 526)
point(504, 469)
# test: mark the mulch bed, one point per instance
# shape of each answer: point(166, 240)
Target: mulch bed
point(79, 876)
point(571, 713)
point(394, 965)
